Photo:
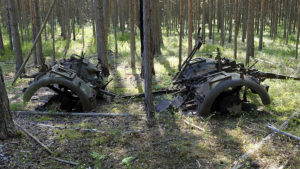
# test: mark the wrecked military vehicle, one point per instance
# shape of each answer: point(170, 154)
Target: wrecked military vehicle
point(219, 84)
point(203, 84)
point(77, 81)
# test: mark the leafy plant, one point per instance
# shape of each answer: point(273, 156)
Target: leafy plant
point(127, 161)
point(98, 158)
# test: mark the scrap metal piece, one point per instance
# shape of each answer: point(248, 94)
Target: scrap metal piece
point(177, 102)
point(163, 105)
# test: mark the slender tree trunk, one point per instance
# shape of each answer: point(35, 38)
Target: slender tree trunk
point(156, 28)
point(222, 21)
point(245, 17)
point(106, 17)
point(40, 55)
point(141, 26)
point(115, 22)
point(34, 31)
point(298, 32)
point(53, 37)
point(148, 58)
point(15, 35)
point(262, 16)
point(203, 19)
point(275, 19)
point(101, 48)
point(190, 25)
point(230, 21)
point(132, 32)
point(211, 14)
point(9, 28)
point(291, 3)
point(7, 127)
point(250, 32)
point(237, 20)
point(1, 41)
point(82, 21)
point(121, 16)
point(73, 21)
point(181, 6)
point(93, 20)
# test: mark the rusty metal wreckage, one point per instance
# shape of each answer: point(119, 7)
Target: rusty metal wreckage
point(203, 84)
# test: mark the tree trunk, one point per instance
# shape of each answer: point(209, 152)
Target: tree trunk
point(211, 14)
point(15, 35)
point(190, 25)
point(9, 28)
point(203, 19)
point(275, 19)
point(115, 22)
point(40, 56)
point(34, 32)
point(262, 16)
point(245, 18)
point(237, 20)
point(250, 32)
point(221, 5)
point(53, 37)
point(106, 17)
point(1, 41)
point(156, 39)
point(122, 17)
point(230, 21)
point(132, 32)
point(101, 48)
point(298, 32)
point(73, 21)
point(148, 58)
point(7, 128)
point(181, 6)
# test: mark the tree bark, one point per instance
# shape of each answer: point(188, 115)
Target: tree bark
point(221, 5)
point(236, 31)
point(298, 32)
point(230, 21)
point(40, 56)
point(53, 37)
point(132, 32)
point(211, 16)
point(1, 41)
point(275, 19)
point(101, 48)
point(262, 16)
point(148, 58)
point(15, 34)
point(115, 23)
point(11, 47)
point(250, 32)
point(190, 25)
point(156, 39)
point(181, 6)
point(34, 31)
point(245, 18)
point(203, 19)
point(7, 128)
point(73, 21)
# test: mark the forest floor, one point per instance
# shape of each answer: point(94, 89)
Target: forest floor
point(120, 142)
